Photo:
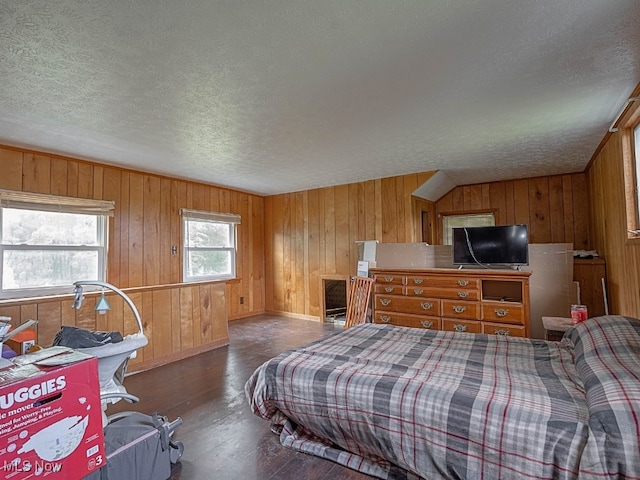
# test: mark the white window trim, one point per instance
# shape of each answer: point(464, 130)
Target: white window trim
point(54, 203)
point(228, 218)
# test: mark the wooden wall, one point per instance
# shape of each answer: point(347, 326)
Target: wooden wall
point(289, 242)
point(555, 208)
point(146, 225)
point(313, 233)
point(606, 184)
point(178, 321)
point(310, 235)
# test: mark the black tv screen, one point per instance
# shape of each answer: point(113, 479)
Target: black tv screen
point(496, 245)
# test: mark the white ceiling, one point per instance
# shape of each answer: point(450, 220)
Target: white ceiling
point(273, 96)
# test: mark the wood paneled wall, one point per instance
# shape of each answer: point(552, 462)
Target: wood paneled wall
point(313, 233)
point(145, 226)
point(555, 208)
point(288, 242)
point(606, 184)
point(178, 320)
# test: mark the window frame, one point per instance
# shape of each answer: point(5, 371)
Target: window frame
point(631, 164)
point(462, 213)
point(232, 221)
point(101, 209)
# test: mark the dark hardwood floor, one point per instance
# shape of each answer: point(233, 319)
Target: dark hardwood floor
point(223, 439)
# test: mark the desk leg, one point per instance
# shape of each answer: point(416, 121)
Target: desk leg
point(553, 335)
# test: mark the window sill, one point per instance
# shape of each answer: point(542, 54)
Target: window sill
point(633, 239)
point(129, 291)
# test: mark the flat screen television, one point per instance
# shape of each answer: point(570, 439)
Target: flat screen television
point(500, 245)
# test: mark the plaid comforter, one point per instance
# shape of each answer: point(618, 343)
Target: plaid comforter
point(398, 402)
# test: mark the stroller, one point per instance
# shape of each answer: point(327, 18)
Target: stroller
point(138, 446)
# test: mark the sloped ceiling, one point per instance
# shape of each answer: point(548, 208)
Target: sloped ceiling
point(278, 96)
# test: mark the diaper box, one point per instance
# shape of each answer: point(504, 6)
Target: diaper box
point(50, 416)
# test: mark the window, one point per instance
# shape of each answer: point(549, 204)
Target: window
point(209, 242)
point(49, 242)
point(636, 143)
point(450, 221)
point(630, 131)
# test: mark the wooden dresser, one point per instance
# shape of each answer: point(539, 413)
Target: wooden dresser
point(475, 301)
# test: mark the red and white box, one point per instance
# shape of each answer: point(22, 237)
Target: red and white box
point(50, 416)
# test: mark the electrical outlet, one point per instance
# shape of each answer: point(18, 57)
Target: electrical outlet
point(241, 300)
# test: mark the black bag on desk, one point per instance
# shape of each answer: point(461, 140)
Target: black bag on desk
point(74, 337)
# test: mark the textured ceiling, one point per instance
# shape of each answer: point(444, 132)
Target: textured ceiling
point(276, 96)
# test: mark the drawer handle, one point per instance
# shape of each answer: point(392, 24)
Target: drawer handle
point(463, 294)
point(426, 305)
point(463, 283)
point(388, 289)
point(418, 281)
point(418, 291)
point(388, 279)
point(501, 312)
point(385, 302)
point(459, 308)
point(504, 333)
point(385, 318)
point(460, 328)
point(426, 324)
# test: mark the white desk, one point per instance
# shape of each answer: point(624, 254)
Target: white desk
point(555, 327)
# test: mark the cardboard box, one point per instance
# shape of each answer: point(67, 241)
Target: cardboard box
point(23, 341)
point(50, 417)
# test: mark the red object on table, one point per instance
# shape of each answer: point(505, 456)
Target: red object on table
point(578, 313)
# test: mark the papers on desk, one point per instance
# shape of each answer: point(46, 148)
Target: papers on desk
point(4, 328)
point(5, 334)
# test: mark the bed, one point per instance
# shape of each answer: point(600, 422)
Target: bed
point(405, 403)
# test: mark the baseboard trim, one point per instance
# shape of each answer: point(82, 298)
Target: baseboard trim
point(176, 356)
point(293, 315)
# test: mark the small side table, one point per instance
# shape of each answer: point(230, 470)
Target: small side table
point(555, 327)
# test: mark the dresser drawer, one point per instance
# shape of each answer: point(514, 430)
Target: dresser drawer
point(453, 282)
point(460, 309)
point(417, 291)
point(404, 320)
point(390, 289)
point(466, 326)
point(389, 279)
point(502, 329)
point(402, 304)
point(459, 293)
point(503, 312)
point(416, 280)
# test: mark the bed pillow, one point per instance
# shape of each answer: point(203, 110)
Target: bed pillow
point(607, 358)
